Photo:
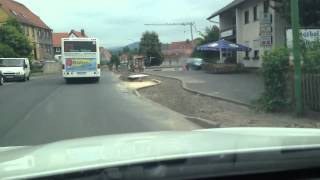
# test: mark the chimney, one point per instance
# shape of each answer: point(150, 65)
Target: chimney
point(82, 33)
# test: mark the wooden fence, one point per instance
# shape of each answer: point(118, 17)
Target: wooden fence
point(311, 91)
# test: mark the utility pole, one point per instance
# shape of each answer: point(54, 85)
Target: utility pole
point(295, 21)
point(191, 24)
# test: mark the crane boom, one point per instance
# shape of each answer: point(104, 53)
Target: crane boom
point(191, 24)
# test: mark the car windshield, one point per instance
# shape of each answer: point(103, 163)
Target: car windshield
point(154, 78)
point(11, 62)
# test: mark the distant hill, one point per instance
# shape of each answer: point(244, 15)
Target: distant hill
point(134, 45)
point(118, 49)
point(115, 50)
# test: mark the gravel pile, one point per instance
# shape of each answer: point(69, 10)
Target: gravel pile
point(171, 94)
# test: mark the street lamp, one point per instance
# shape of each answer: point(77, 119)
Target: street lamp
point(296, 54)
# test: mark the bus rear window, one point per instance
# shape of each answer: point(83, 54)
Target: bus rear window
point(80, 46)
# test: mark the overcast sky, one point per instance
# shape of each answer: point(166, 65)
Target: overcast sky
point(121, 22)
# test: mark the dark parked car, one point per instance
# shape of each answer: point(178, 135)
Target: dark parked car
point(1, 79)
point(194, 64)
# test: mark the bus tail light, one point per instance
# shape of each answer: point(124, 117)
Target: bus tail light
point(63, 66)
point(99, 66)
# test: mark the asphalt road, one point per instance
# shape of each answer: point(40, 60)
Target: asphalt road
point(46, 110)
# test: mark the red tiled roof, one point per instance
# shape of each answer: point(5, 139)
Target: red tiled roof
point(78, 34)
point(56, 38)
point(182, 48)
point(22, 13)
point(181, 45)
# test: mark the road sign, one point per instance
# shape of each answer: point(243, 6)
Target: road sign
point(266, 30)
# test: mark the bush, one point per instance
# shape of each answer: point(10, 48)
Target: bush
point(6, 51)
point(311, 58)
point(275, 73)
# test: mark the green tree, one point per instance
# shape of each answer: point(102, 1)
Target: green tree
point(115, 61)
point(6, 51)
point(311, 57)
point(136, 51)
point(211, 34)
point(126, 50)
point(13, 40)
point(309, 11)
point(150, 47)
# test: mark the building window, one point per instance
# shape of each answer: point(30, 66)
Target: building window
point(246, 17)
point(256, 55)
point(255, 13)
point(33, 32)
point(266, 6)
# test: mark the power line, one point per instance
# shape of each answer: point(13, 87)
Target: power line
point(191, 24)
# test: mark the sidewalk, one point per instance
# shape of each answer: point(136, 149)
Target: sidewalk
point(242, 88)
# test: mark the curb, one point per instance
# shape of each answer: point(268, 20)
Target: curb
point(203, 122)
point(136, 91)
point(184, 86)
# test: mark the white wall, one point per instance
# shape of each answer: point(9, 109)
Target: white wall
point(249, 34)
point(51, 68)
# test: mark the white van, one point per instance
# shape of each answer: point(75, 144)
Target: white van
point(15, 69)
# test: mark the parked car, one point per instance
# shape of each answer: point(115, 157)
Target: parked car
point(1, 79)
point(194, 64)
point(15, 69)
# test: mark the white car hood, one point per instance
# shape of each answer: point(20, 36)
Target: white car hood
point(11, 69)
point(117, 150)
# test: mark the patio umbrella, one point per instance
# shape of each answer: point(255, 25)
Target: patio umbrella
point(223, 45)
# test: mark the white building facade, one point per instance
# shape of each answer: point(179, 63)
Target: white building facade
point(254, 23)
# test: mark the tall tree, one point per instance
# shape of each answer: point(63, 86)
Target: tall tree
point(13, 41)
point(126, 49)
point(115, 61)
point(211, 34)
point(309, 11)
point(150, 47)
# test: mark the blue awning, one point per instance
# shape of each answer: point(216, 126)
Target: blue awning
point(223, 45)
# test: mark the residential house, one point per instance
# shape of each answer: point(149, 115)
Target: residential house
point(105, 55)
point(254, 23)
point(39, 34)
point(177, 53)
point(57, 37)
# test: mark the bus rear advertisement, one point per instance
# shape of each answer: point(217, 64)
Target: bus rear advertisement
point(80, 58)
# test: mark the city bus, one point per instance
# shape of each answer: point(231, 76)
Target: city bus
point(80, 59)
